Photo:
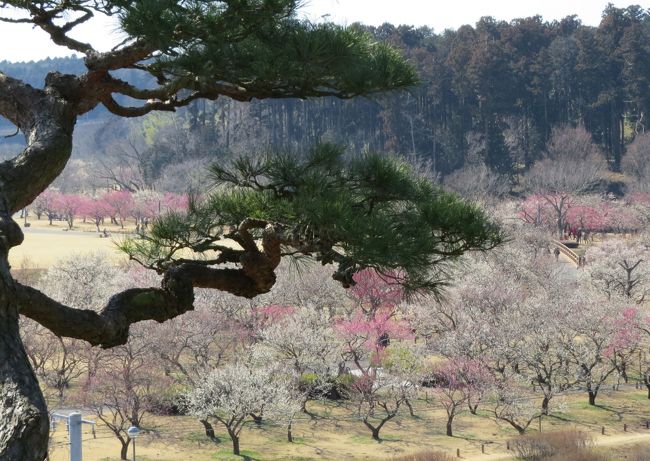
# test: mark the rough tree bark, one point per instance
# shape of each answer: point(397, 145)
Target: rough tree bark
point(23, 412)
point(47, 121)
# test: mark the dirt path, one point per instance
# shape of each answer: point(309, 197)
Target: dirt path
point(600, 441)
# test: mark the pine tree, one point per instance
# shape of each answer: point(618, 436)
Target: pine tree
point(244, 50)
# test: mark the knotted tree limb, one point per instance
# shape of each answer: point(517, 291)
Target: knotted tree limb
point(109, 327)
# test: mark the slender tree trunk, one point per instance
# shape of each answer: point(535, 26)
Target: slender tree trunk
point(235, 444)
point(24, 424)
point(545, 402)
point(410, 407)
point(375, 430)
point(559, 209)
point(450, 422)
point(124, 450)
point(289, 433)
point(592, 396)
point(307, 412)
point(209, 430)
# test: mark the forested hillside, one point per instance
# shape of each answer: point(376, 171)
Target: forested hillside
point(490, 93)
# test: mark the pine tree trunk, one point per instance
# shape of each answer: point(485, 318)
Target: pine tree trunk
point(24, 424)
point(47, 121)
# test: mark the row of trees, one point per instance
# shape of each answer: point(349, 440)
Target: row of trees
point(497, 89)
point(572, 164)
point(590, 214)
point(116, 205)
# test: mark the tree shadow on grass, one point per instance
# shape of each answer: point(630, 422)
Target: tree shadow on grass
point(566, 419)
point(468, 438)
point(618, 413)
point(245, 455)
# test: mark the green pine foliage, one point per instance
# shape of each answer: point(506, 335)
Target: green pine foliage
point(367, 211)
point(259, 46)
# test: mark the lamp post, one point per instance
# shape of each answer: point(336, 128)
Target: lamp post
point(133, 432)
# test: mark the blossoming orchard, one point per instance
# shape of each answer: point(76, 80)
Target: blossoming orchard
point(516, 336)
point(114, 207)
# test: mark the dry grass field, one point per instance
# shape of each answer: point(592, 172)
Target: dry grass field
point(335, 435)
point(45, 244)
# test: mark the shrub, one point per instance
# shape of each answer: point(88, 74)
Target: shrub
point(341, 388)
point(331, 388)
point(308, 380)
point(165, 404)
point(428, 455)
point(640, 453)
point(578, 455)
point(544, 445)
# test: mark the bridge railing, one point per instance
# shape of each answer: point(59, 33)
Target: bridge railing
point(568, 252)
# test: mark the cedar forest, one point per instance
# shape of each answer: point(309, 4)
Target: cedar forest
point(490, 92)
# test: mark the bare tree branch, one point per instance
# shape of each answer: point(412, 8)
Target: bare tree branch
point(45, 20)
point(123, 111)
point(119, 58)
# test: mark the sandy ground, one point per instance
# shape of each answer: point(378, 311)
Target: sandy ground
point(41, 250)
point(45, 244)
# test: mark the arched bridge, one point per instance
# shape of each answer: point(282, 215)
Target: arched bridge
point(568, 252)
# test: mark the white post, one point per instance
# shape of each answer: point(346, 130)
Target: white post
point(74, 422)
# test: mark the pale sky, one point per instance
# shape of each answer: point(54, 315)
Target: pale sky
point(21, 43)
